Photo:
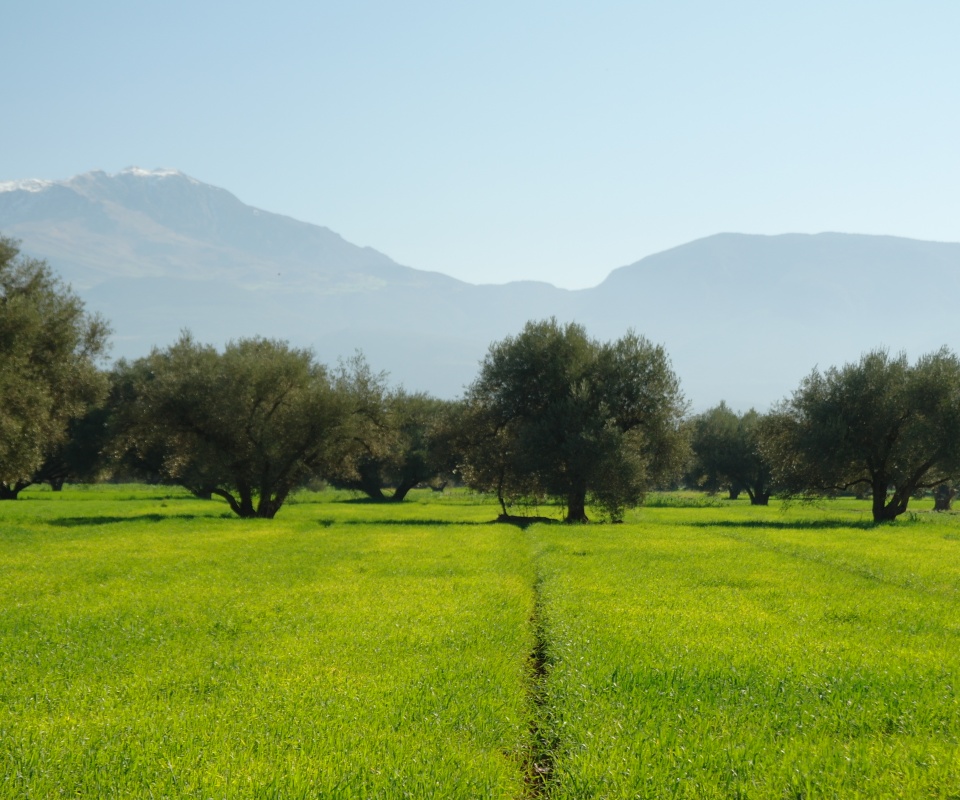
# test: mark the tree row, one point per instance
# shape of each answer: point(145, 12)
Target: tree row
point(554, 416)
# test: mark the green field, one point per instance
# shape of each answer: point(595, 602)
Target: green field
point(153, 645)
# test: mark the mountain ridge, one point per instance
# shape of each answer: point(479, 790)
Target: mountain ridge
point(742, 316)
point(163, 206)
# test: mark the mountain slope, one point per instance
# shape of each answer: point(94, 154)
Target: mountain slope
point(743, 317)
point(753, 312)
point(163, 223)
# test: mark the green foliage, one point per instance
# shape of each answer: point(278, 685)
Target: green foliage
point(485, 456)
point(82, 455)
point(249, 424)
point(49, 348)
point(568, 416)
point(399, 447)
point(877, 425)
point(726, 454)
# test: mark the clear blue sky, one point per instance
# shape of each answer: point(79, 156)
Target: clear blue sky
point(507, 140)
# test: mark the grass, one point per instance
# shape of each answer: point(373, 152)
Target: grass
point(161, 650)
point(152, 645)
point(735, 659)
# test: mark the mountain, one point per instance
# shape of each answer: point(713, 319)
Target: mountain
point(743, 318)
point(164, 224)
point(746, 314)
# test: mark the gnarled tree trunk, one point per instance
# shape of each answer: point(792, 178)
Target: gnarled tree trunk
point(759, 495)
point(943, 497)
point(402, 489)
point(884, 511)
point(10, 491)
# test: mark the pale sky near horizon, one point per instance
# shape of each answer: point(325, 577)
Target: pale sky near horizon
point(504, 141)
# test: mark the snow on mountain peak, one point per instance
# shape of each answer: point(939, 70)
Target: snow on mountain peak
point(26, 185)
point(155, 173)
point(35, 185)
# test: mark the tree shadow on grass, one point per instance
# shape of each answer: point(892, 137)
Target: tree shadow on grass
point(391, 522)
point(520, 522)
point(369, 501)
point(524, 522)
point(77, 522)
point(800, 524)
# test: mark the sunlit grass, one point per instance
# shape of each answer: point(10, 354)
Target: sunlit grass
point(151, 647)
point(154, 645)
point(710, 656)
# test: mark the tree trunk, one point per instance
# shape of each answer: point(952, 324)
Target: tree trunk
point(943, 497)
point(735, 490)
point(247, 510)
point(577, 506)
point(759, 494)
point(243, 508)
point(884, 511)
point(401, 491)
point(373, 492)
point(10, 491)
point(890, 511)
point(56, 484)
point(270, 502)
point(267, 508)
point(501, 481)
point(879, 505)
point(369, 481)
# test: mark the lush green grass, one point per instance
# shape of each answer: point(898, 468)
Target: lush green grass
point(153, 645)
point(151, 648)
point(738, 652)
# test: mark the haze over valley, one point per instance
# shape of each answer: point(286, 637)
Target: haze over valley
point(743, 317)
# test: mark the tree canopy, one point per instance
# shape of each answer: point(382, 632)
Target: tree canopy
point(726, 454)
point(249, 424)
point(398, 452)
point(560, 414)
point(881, 426)
point(49, 350)
point(553, 415)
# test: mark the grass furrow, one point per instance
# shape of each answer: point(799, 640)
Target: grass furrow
point(153, 646)
point(699, 662)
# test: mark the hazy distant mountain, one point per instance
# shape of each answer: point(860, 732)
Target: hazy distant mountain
point(744, 318)
point(164, 224)
point(741, 315)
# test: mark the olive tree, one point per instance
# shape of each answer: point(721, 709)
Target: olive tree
point(82, 456)
point(397, 453)
point(573, 418)
point(249, 424)
point(726, 454)
point(881, 425)
point(49, 351)
point(483, 454)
